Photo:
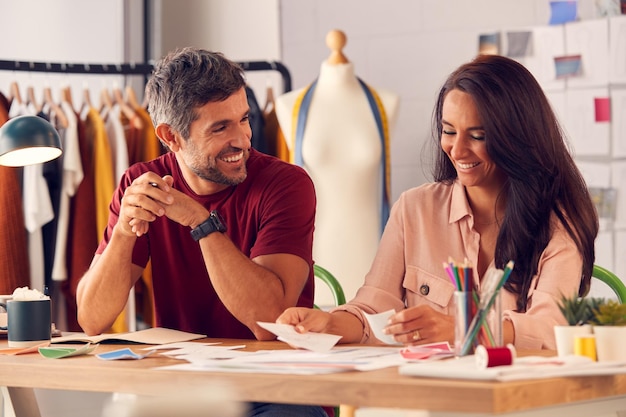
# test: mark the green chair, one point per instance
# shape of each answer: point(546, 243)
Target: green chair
point(329, 279)
point(611, 280)
point(340, 298)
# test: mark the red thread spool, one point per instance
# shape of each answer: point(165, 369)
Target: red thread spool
point(496, 356)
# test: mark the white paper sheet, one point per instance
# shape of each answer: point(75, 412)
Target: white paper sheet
point(588, 137)
point(590, 39)
point(530, 367)
point(316, 342)
point(617, 49)
point(618, 121)
point(299, 361)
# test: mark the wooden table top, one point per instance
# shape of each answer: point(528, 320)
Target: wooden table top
point(378, 388)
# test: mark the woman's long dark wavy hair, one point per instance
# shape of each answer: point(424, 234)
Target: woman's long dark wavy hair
point(525, 140)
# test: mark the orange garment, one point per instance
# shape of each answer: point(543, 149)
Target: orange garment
point(103, 166)
point(282, 150)
point(104, 183)
point(150, 145)
point(151, 149)
point(82, 239)
point(276, 143)
point(143, 145)
point(14, 265)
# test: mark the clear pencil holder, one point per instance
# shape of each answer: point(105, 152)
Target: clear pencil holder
point(494, 322)
point(489, 333)
point(462, 318)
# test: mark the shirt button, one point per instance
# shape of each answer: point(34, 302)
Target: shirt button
point(424, 289)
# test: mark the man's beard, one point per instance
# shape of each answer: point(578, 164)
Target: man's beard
point(215, 175)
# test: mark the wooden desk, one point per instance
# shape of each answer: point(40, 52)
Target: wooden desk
point(380, 388)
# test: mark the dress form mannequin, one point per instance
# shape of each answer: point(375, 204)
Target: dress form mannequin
point(342, 151)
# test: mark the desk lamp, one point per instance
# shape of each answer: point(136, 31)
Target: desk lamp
point(28, 140)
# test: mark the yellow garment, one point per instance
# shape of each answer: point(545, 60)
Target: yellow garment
point(103, 166)
point(282, 150)
point(104, 184)
point(150, 149)
point(150, 144)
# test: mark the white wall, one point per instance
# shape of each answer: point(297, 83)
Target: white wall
point(66, 31)
point(407, 46)
point(244, 30)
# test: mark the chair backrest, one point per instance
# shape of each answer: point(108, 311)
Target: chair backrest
point(329, 279)
point(340, 298)
point(611, 280)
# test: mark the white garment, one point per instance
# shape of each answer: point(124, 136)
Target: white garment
point(117, 140)
point(38, 210)
point(72, 177)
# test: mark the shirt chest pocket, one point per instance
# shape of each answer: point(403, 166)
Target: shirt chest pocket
point(424, 288)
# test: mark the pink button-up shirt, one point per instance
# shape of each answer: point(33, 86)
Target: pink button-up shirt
point(433, 222)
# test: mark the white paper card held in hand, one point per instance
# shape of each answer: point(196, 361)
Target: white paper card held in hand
point(378, 322)
point(316, 342)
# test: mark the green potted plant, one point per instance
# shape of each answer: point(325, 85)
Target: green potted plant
point(578, 312)
point(609, 313)
point(609, 327)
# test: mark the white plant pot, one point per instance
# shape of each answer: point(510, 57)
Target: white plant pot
point(610, 343)
point(566, 337)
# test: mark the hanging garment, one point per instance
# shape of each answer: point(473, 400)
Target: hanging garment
point(82, 239)
point(72, 177)
point(37, 207)
point(257, 123)
point(151, 149)
point(103, 166)
point(300, 110)
point(14, 265)
point(117, 140)
point(276, 143)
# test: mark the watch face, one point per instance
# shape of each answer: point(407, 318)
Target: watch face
point(218, 221)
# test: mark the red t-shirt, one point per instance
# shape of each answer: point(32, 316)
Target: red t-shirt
point(272, 211)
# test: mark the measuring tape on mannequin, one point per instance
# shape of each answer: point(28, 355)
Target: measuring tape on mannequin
point(496, 356)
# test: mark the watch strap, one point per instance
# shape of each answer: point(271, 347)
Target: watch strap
point(212, 224)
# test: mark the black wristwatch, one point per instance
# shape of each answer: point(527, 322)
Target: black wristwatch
point(213, 224)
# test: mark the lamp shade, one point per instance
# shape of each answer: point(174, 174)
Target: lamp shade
point(27, 140)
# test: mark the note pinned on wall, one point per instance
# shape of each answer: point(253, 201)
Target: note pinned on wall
point(563, 12)
point(603, 109)
point(568, 66)
point(489, 43)
point(519, 44)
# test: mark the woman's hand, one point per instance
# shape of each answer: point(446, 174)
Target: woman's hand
point(420, 325)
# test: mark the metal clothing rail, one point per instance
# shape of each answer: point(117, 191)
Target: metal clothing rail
point(130, 69)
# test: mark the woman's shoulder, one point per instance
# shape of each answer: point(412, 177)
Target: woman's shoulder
point(430, 191)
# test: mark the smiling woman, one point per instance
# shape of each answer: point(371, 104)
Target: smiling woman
point(496, 142)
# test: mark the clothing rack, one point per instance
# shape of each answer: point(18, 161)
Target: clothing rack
point(130, 68)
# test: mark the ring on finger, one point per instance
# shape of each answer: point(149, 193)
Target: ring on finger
point(416, 335)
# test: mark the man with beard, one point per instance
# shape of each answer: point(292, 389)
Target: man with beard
point(228, 230)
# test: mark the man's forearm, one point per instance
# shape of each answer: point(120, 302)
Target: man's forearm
point(250, 291)
point(103, 291)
